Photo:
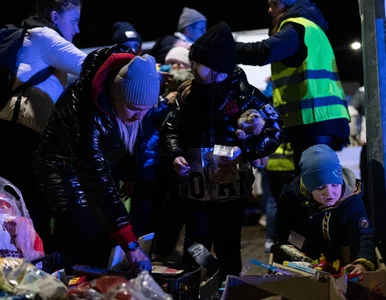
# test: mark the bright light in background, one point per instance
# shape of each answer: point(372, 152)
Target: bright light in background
point(356, 46)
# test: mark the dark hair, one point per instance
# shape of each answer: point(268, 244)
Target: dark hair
point(45, 7)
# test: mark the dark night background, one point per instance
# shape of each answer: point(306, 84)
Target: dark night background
point(152, 20)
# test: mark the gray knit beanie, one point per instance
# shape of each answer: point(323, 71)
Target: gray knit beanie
point(188, 17)
point(178, 55)
point(288, 2)
point(137, 82)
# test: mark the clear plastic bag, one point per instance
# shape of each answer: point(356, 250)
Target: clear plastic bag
point(18, 237)
point(18, 205)
point(143, 287)
point(20, 278)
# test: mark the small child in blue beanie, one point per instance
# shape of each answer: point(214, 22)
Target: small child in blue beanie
point(324, 206)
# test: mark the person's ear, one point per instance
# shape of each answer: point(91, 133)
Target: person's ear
point(54, 17)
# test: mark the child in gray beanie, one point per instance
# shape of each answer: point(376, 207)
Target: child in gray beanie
point(324, 206)
point(191, 25)
point(188, 17)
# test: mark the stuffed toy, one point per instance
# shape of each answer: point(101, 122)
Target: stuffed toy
point(249, 123)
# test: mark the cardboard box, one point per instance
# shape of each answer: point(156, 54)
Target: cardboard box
point(372, 285)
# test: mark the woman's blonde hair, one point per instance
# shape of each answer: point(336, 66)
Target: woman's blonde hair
point(128, 134)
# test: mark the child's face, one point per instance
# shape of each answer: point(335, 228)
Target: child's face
point(206, 75)
point(328, 194)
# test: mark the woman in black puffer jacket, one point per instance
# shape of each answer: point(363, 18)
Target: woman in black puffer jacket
point(92, 127)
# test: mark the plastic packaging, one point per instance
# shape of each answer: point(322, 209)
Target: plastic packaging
point(221, 150)
point(20, 278)
point(143, 287)
point(295, 253)
point(18, 237)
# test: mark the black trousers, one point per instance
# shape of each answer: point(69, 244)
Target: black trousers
point(146, 203)
point(81, 239)
point(218, 225)
point(171, 219)
point(16, 155)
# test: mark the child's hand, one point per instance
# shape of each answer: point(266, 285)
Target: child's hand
point(171, 97)
point(260, 162)
point(355, 269)
point(181, 166)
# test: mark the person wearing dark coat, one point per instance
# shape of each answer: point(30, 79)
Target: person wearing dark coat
point(191, 25)
point(307, 90)
point(214, 187)
point(92, 128)
point(324, 206)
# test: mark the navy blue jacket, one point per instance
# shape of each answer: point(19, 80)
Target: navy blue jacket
point(148, 144)
point(327, 230)
point(287, 45)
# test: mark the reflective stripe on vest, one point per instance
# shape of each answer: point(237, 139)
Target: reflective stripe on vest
point(281, 160)
point(311, 92)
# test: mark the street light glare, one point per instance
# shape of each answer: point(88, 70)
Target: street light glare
point(356, 46)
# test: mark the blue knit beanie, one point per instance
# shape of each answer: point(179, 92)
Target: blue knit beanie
point(288, 2)
point(137, 82)
point(319, 166)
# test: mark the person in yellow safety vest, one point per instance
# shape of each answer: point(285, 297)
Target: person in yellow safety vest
point(306, 87)
point(280, 171)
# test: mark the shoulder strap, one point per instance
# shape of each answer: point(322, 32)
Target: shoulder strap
point(35, 79)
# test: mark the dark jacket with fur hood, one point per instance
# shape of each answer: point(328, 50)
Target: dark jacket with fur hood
point(326, 230)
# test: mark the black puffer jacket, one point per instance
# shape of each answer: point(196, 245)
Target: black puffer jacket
point(77, 159)
point(209, 114)
point(206, 115)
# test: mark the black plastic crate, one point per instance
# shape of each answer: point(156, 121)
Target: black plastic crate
point(185, 286)
point(49, 263)
point(181, 287)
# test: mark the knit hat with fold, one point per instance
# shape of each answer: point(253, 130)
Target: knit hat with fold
point(319, 166)
point(137, 82)
point(215, 49)
point(188, 17)
point(124, 32)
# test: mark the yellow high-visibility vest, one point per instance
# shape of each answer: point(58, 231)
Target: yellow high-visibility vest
point(311, 92)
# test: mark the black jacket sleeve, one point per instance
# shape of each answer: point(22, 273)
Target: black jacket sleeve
point(169, 133)
point(277, 47)
point(360, 232)
point(161, 48)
